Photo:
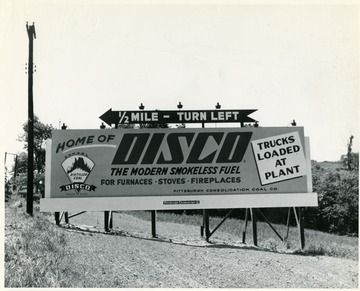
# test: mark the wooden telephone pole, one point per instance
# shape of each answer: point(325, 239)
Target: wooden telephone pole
point(30, 173)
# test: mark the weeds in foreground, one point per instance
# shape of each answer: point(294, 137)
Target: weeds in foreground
point(35, 252)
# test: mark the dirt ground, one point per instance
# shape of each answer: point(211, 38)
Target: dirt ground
point(129, 257)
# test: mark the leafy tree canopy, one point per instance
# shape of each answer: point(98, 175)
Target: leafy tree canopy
point(41, 133)
point(350, 161)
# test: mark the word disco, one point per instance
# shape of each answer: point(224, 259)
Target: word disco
point(148, 148)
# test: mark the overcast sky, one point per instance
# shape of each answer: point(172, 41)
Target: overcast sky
point(288, 61)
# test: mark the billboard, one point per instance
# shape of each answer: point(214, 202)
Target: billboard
point(114, 169)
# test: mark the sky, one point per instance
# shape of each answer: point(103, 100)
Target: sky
point(288, 60)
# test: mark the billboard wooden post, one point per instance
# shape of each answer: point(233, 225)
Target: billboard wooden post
point(57, 218)
point(207, 224)
point(203, 226)
point(205, 213)
point(254, 225)
point(245, 227)
point(106, 221)
point(301, 228)
point(153, 223)
point(288, 224)
point(300, 224)
point(298, 210)
point(110, 219)
point(108, 216)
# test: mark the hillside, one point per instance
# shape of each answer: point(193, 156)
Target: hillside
point(179, 257)
point(329, 165)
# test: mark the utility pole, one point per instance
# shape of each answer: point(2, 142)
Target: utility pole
point(30, 173)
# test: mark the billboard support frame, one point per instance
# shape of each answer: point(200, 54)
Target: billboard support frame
point(269, 223)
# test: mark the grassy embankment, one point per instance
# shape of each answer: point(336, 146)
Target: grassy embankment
point(316, 242)
point(36, 252)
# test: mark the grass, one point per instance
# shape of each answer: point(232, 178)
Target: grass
point(316, 242)
point(331, 245)
point(35, 251)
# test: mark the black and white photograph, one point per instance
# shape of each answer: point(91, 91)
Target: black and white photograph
point(180, 144)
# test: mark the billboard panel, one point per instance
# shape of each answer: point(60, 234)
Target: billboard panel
point(172, 163)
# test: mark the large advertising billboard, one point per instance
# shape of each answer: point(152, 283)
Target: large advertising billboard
point(177, 168)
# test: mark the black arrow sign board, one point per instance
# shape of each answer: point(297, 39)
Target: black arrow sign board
point(189, 116)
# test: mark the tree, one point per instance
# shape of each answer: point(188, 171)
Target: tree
point(351, 160)
point(338, 193)
point(349, 153)
point(41, 133)
point(22, 162)
point(352, 163)
point(21, 170)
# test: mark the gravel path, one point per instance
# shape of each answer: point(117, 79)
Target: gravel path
point(182, 258)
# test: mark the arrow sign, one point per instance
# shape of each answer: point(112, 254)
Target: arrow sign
point(110, 117)
point(189, 116)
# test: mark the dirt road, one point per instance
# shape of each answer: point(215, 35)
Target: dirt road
point(181, 258)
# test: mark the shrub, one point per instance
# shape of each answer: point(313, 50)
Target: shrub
point(338, 192)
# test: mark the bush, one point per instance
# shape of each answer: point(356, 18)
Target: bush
point(338, 192)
